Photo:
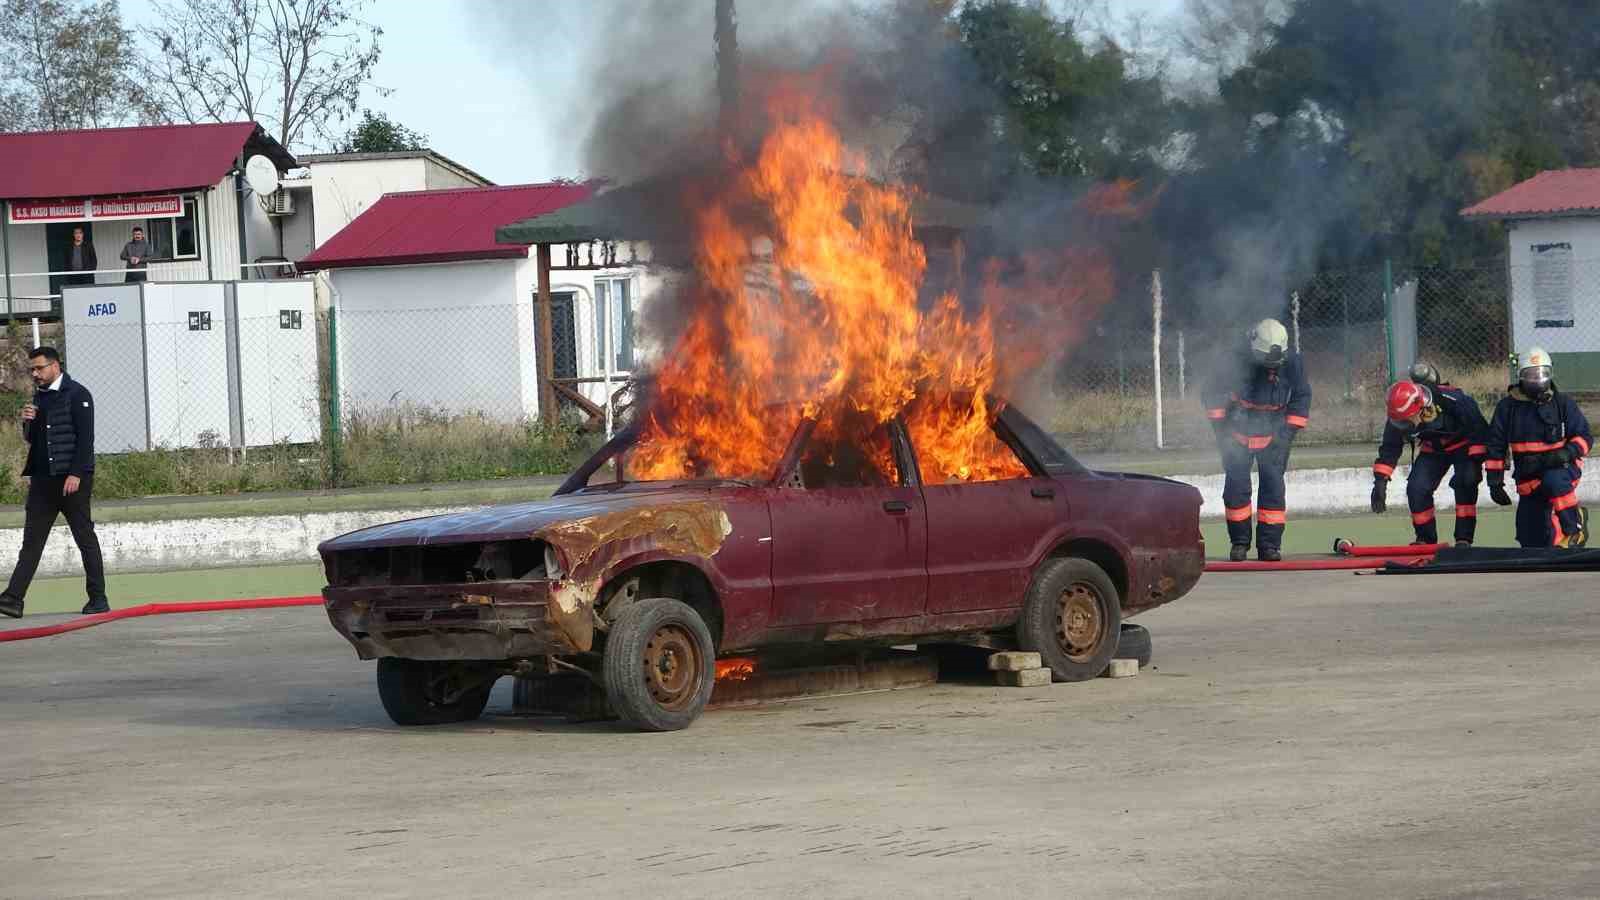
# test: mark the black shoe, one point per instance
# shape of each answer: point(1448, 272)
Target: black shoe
point(1239, 552)
point(1461, 544)
point(10, 606)
point(96, 606)
point(1269, 554)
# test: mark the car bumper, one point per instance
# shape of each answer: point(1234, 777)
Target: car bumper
point(486, 621)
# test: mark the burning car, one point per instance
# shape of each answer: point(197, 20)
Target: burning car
point(641, 585)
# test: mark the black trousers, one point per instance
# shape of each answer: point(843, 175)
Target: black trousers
point(45, 503)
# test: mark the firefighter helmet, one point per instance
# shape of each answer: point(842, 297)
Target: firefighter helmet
point(1535, 373)
point(1409, 405)
point(1425, 373)
point(1269, 343)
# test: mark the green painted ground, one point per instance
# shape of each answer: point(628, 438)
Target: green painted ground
point(57, 595)
point(1496, 528)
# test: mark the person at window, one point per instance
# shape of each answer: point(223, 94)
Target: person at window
point(136, 253)
point(81, 260)
point(59, 428)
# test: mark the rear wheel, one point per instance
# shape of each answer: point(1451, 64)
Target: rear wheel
point(423, 692)
point(659, 665)
point(1072, 618)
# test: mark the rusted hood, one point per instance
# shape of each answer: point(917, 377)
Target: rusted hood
point(520, 520)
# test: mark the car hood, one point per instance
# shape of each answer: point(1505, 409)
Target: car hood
point(515, 520)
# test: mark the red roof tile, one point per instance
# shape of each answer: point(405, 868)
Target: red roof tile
point(1553, 193)
point(47, 165)
point(441, 226)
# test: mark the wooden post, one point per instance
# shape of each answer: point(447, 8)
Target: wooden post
point(544, 341)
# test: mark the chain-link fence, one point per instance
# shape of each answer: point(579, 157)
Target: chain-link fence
point(1351, 329)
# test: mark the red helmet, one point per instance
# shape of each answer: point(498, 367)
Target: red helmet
point(1407, 402)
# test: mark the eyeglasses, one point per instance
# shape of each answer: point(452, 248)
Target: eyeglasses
point(42, 367)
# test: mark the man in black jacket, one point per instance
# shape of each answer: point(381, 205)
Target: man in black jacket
point(59, 428)
point(81, 259)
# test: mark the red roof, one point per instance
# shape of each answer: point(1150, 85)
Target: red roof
point(1554, 193)
point(441, 226)
point(47, 165)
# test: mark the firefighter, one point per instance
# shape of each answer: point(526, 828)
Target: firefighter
point(1258, 402)
point(1545, 437)
point(1450, 433)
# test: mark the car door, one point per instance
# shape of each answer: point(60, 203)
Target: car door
point(986, 529)
point(849, 534)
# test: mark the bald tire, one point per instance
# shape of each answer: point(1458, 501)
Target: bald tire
point(628, 681)
point(1134, 643)
point(1041, 630)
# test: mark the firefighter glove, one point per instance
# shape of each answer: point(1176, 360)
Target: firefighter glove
point(1380, 494)
point(1497, 493)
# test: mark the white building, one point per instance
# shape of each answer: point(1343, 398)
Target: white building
point(435, 316)
point(1552, 223)
point(182, 184)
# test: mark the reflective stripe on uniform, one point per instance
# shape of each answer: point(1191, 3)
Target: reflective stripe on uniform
point(1565, 501)
point(1253, 441)
point(1297, 421)
point(1239, 513)
point(1495, 465)
point(1527, 487)
point(1477, 450)
point(1383, 469)
point(1422, 518)
point(1581, 442)
point(1536, 446)
point(1216, 414)
point(1466, 510)
point(1271, 516)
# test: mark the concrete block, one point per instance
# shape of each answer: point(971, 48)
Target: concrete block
point(1122, 668)
point(1013, 661)
point(1022, 677)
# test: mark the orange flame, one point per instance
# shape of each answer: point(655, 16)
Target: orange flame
point(806, 304)
point(736, 669)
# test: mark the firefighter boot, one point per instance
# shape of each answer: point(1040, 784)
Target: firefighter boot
point(1580, 537)
point(1238, 552)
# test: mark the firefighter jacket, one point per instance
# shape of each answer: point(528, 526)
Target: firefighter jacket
point(1252, 404)
point(1460, 426)
point(1524, 430)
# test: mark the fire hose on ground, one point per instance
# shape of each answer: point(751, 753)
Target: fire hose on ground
point(153, 609)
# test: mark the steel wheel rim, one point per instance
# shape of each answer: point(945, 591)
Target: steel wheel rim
point(672, 667)
point(1080, 624)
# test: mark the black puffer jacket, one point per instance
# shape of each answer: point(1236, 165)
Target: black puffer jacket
point(67, 428)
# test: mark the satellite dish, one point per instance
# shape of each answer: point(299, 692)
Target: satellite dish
point(262, 174)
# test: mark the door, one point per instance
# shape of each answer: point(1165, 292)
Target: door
point(849, 535)
point(986, 531)
point(58, 251)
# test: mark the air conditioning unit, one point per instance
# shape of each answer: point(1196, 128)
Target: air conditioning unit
point(281, 203)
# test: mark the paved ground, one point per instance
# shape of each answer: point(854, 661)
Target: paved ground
point(1323, 735)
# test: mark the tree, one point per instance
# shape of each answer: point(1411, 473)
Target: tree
point(377, 133)
point(1219, 36)
point(67, 65)
point(295, 66)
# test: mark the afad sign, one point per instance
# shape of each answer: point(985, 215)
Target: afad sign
point(25, 212)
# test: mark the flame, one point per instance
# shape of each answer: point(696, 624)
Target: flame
point(737, 668)
point(805, 303)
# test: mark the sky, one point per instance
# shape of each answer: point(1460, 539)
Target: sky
point(499, 86)
point(514, 112)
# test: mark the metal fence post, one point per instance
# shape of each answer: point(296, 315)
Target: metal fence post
point(1155, 349)
point(1388, 315)
point(335, 419)
point(1183, 365)
point(1294, 318)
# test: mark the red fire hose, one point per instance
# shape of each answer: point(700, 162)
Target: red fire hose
point(153, 609)
point(1316, 565)
point(1347, 547)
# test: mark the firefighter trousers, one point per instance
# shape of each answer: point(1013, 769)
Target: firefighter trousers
point(1271, 463)
point(1547, 506)
point(1427, 470)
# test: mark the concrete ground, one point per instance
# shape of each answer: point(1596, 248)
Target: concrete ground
point(1316, 735)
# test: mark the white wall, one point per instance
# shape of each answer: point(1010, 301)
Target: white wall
point(342, 190)
point(28, 254)
point(299, 229)
point(449, 337)
point(1584, 236)
point(187, 370)
point(438, 177)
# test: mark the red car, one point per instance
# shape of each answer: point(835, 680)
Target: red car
point(643, 584)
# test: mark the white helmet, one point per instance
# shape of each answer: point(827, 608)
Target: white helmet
point(1269, 343)
point(1535, 373)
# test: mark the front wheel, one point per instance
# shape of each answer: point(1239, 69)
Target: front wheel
point(659, 665)
point(423, 692)
point(1072, 618)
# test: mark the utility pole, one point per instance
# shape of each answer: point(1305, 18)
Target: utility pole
point(727, 39)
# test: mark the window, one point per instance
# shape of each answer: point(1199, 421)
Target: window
point(176, 238)
point(614, 319)
point(848, 461)
point(956, 443)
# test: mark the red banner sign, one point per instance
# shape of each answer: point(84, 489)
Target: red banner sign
point(38, 211)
